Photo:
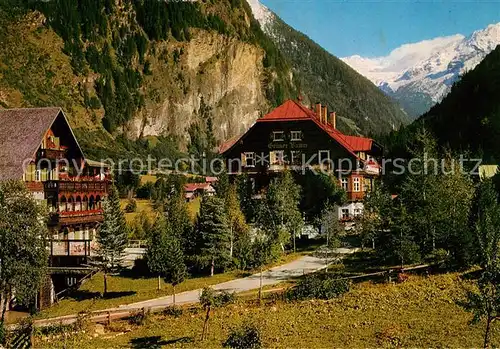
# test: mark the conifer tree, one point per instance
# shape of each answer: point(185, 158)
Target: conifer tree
point(112, 235)
point(213, 232)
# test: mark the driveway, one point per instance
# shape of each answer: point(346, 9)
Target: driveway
point(303, 265)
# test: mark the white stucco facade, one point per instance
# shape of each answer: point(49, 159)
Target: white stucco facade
point(349, 210)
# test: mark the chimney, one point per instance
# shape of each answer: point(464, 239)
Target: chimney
point(318, 110)
point(333, 119)
point(324, 118)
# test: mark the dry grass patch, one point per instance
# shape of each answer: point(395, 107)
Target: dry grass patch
point(418, 313)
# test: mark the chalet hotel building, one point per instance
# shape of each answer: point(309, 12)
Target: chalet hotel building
point(39, 147)
point(296, 137)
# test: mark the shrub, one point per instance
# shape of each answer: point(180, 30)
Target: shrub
point(246, 337)
point(173, 311)
point(319, 286)
point(437, 256)
point(145, 191)
point(131, 206)
point(213, 298)
point(139, 317)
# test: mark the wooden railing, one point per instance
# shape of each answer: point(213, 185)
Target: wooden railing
point(67, 247)
point(75, 217)
point(56, 154)
point(82, 185)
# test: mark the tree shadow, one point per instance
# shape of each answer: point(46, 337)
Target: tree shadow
point(81, 295)
point(111, 295)
point(154, 342)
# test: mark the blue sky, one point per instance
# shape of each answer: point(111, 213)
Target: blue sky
point(374, 28)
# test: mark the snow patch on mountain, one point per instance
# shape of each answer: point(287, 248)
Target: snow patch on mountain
point(428, 67)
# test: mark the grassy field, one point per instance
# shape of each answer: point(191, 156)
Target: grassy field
point(125, 290)
point(143, 179)
point(421, 312)
point(144, 206)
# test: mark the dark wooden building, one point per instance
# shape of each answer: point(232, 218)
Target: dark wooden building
point(295, 137)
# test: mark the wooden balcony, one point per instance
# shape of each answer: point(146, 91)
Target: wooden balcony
point(70, 247)
point(35, 186)
point(80, 185)
point(76, 217)
point(52, 154)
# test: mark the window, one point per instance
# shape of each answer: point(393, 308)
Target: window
point(37, 175)
point(296, 136)
point(324, 158)
point(278, 136)
point(357, 212)
point(296, 157)
point(356, 186)
point(345, 213)
point(345, 183)
point(249, 159)
point(277, 157)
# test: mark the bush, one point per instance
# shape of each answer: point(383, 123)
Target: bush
point(131, 206)
point(139, 317)
point(319, 286)
point(246, 337)
point(173, 311)
point(210, 297)
point(437, 256)
point(145, 191)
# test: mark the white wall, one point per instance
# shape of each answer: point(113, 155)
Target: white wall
point(351, 206)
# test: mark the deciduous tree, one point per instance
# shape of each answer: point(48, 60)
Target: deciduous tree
point(484, 302)
point(23, 251)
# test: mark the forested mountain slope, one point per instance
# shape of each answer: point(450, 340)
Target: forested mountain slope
point(141, 76)
point(321, 76)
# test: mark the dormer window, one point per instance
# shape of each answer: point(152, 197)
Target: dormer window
point(278, 136)
point(296, 136)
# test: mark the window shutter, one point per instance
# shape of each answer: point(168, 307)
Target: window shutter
point(243, 159)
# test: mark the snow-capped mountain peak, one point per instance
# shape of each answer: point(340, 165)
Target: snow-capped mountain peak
point(423, 72)
point(261, 13)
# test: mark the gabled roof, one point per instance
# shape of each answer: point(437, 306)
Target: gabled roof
point(21, 134)
point(358, 143)
point(292, 110)
point(228, 144)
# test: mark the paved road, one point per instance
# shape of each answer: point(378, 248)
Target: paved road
point(301, 266)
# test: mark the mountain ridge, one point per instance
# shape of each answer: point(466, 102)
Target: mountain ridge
point(418, 75)
point(360, 106)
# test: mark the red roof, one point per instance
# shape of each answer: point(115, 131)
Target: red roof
point(358, 143)
point(190, 187)
point(228, 144)
point(292, 110)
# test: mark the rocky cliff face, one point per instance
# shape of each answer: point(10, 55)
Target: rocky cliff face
point(211, 71)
